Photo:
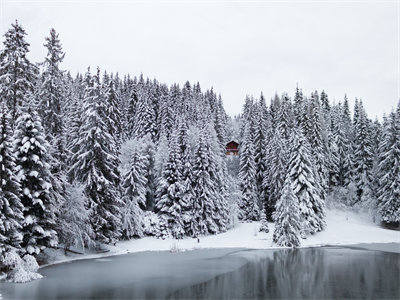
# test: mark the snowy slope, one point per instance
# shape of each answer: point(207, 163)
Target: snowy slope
point(343, 228)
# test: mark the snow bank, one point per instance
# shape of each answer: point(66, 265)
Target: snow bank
point(343, 228)
point(21, 269)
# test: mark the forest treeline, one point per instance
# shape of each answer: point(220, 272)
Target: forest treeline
point(96, 158)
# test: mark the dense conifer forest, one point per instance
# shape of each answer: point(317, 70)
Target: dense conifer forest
point(95, 158)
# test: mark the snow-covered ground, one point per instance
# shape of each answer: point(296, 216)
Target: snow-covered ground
point(343, 228)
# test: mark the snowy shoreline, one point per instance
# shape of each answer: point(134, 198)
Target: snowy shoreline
point(344, 228)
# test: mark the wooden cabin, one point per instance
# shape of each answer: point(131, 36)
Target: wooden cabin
point(232, 148)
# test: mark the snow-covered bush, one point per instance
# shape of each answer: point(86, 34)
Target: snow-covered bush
point(150, 224)
point(74, 229)
point(20, 269)
point(175, 248)
point(264, 222)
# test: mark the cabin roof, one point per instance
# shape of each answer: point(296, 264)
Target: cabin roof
point(232, 142)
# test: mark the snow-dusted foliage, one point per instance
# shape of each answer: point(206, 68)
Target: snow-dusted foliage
point(17, 73)
point(134, 193)
point(389, 170)
point(151, 224)
point(50, 98)
point(73, 226)
point(11, 208)
point(19, 269)
point(37, 194)
point(205, 218)
point(95, 165)
point(247, 178)
point(170, 201)
point(303, 180)
point(288, 223)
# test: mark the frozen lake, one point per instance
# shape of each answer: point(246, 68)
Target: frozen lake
point(328, 272)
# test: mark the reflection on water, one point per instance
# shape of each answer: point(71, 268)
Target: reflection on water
point(307, 273)
point(328, 272)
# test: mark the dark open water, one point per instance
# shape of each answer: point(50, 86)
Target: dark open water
point(319, 273)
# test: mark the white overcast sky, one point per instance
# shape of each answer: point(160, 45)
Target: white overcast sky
point(238, 47)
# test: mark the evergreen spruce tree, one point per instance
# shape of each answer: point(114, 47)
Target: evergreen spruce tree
point(276, 172)
point(287, 218)
point(305, 185)
point(169, 193)
point(17, 73)
point(260, 146)
point(363, 155)
point(134, 194)
point(11, 208)
point(37, 193)
point(145, 116)
point(389, 171)
point(95, 164)
point(112, 109)
point(298, 106)
point(51, 100)
point(204, 220)
point(186, 180)
point(247, 178)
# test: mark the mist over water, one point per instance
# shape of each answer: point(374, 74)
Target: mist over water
point(328, 272)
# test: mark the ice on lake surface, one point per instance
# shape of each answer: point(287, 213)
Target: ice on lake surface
point(328, 272)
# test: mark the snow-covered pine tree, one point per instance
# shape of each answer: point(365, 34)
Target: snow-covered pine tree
point(288, 223)
point(205, 188)
point(298, 106)
point(342, 142)
point(247, 178)
point(389, 171)
point(262, 133)
point(17, 73)
point(145, 116)
point(285, 118)
point(305, 185)
point(276, 172)
point(169, 193)
point(51, 97)
point(316, 136)
point(166, 115)
point(11, 208)
point(112, 110)
point(363, 155)
point(263, 221)
point(37, 193)
point(134, 194)
point(95, 164)
point(149, 152)
point(186, 180)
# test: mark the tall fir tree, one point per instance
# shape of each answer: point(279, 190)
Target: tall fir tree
point(287, 217)
point(276, 172)
point(17, 73)
point(389, 171)
point(204, 219)
point(170, 201)
point(306, 186)
point(134, 194)
point(363, 154)
point(51, 99)
point(11, 208)
point(37, 193)
point(247, 178)
point(95, 164)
